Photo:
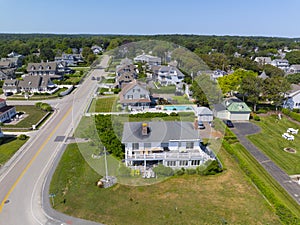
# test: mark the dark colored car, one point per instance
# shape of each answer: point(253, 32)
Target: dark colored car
point(8, 93)
point(228, 123)
point(201, 125)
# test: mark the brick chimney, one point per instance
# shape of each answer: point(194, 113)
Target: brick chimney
point(144, 129)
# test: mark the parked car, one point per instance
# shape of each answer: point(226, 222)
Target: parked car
point(8, 93)
point(201, 125)
point(228, 123)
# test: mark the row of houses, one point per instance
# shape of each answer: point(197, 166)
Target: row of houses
point(282, 64)
point(31, 84)
point(38, 79)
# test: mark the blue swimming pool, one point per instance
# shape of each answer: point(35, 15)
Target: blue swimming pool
point(177, 107)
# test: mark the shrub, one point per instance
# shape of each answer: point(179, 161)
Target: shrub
point(179, 172)
point(22, 137)
point(163, 170)
point(190, 171)
point(173, 114)
point(291, 114)
point(124, 171)
point(256, 118)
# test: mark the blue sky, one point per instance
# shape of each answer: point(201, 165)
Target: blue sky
point(217, 17)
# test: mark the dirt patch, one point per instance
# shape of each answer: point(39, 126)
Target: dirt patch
point(290, 150)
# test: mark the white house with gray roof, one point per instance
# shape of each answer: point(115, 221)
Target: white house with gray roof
point(263, 60)
point(149, 59)
point(282, 64)
point(292, 100)
point(169, 75)
point(174, 144)
point(294, 68)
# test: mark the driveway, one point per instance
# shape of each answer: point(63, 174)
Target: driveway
point(241, 129)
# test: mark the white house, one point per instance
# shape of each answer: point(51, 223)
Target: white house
point(169, 75)
point(294, 68)
point(149, 59)
point(6, 112)
point(174, 144)
point(263, 60)
point(96, 49)
point(292, 100)
point(204, 114)
point(10, 86)
point(282, 64)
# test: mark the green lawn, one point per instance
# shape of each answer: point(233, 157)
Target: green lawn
point(272, 143)
point(224, 198)
point(9, 147)
point(164, 90)
point(181, 100)
point(34, 116)
point(104, 104)
point(272, 186)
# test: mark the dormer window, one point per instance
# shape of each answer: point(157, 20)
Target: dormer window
point(48, 67)
point(32, 68)
point(40, 67)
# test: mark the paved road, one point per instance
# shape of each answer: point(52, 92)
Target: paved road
point(243, 129)
point(25, 176)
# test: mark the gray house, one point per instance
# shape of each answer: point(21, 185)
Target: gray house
point(173, 144)
point(135, 96)
point(36, 84)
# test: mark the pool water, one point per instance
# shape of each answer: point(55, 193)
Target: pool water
point(178, 107)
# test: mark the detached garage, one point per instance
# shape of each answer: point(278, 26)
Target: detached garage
point(232, 109)
point(204, 114)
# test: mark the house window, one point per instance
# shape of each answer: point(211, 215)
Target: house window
point(190, 145)
point(142, 96)
point(135, 146)
point(147, 145)
point(129, 96)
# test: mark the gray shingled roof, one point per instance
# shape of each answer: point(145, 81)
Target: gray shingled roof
point(30, 82)
point(263, 75)
point(159, 132)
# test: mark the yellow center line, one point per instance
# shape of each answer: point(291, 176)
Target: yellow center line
point(32, 160)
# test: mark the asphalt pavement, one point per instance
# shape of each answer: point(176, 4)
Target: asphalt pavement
point(23, 180)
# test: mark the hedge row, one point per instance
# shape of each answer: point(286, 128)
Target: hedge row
point(291, 114)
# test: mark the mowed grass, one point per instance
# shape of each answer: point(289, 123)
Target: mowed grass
point(104, 104)
point(9, 147)
point(224, 198)
point(34, 116)
point(270, 141)
point(266, 178)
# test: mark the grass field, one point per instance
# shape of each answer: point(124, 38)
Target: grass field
point(181, 100)
point(105, 104)
point(34, 115)
point(9, 148)
point(272, 143)
point(164, 90)
point(220, 199)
